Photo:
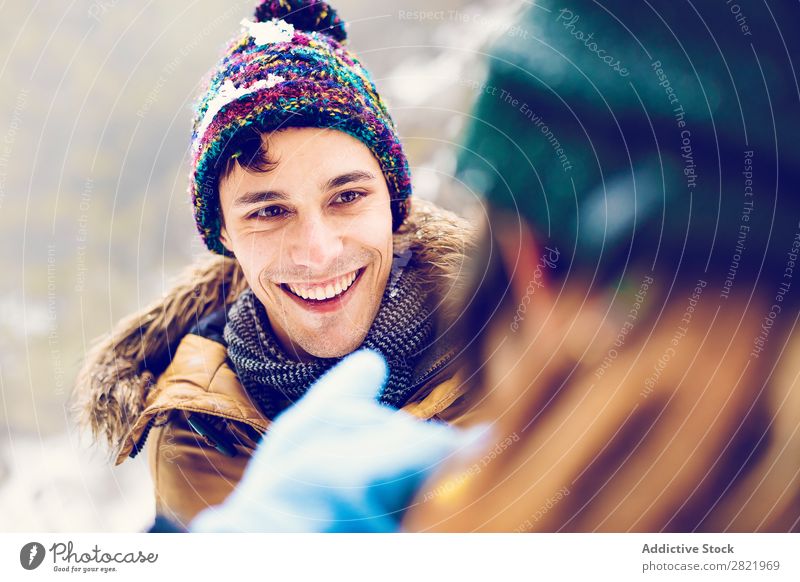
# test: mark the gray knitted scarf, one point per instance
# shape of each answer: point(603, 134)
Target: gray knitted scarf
point(401, 331)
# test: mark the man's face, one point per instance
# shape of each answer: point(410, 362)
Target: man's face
point(314, 238)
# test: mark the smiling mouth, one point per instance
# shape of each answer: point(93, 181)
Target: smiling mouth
point(324, 293)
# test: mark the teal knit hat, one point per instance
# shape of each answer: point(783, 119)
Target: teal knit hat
point(626, 130)
point(289, 68)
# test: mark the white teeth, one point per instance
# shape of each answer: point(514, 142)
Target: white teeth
point(319, 293)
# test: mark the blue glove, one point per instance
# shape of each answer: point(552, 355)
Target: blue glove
point(337, 461)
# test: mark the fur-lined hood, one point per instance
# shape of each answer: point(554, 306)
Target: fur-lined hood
point(120, 369)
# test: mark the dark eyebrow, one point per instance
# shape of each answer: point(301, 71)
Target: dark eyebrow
point(249, 198)
point(354, 176)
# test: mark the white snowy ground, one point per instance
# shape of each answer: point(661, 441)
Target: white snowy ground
point(56, 484)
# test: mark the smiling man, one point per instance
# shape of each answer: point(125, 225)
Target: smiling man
point(300, 183)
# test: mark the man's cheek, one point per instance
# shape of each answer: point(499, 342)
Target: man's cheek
point(252, 271)
point(256, 263)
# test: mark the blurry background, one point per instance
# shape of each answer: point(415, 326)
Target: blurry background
point(95, 113)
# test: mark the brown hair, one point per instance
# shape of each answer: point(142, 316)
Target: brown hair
point(247, 149)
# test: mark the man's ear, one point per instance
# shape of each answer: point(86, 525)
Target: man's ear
point(224, 238)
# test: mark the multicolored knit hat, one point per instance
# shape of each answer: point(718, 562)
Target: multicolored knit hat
point(288, 68)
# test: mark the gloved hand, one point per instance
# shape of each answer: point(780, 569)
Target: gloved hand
point(337, 460)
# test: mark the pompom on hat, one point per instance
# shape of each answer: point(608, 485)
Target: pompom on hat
point(289, 68)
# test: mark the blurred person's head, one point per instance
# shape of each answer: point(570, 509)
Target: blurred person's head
point(641, 225)
point(673, 166)
point(299, 174)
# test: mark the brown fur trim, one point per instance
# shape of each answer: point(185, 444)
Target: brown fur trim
point(119, 370)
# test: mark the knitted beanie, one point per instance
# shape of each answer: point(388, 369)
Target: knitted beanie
point(289, 68)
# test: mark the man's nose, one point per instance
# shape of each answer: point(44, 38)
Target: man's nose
point(317, 243)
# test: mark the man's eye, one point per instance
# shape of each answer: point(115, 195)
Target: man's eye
point(348, 197)
point(270, 212)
